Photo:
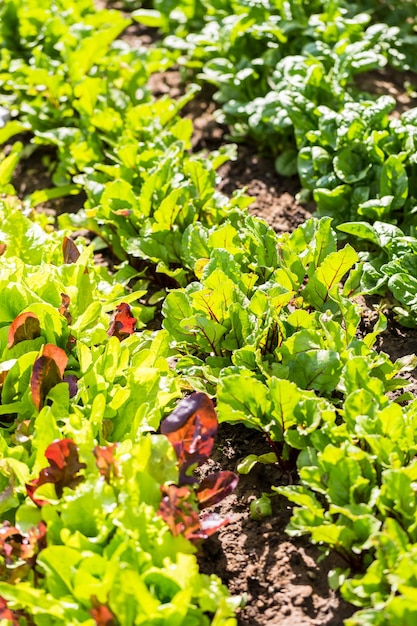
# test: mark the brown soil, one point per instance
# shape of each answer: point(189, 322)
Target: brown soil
point(282, 581)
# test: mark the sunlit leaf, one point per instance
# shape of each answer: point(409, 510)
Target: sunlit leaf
point(48, 371)
point(215, 487)
point(123, 323)
point(24, 326)
point(62, 471)
point(191, 429)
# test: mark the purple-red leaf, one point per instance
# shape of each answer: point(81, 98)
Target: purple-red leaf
point(24, 326)
point(215, 487)
point(179, 513)
point(72, 381)
point(70, 251)
point(19, 550)
point(105, 461)
point(191, 429)
point(64, 308)
point(123, 323)
point(64, 465)
point(48, 371)
point(177, 510)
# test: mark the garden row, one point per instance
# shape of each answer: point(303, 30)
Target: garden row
point(287, 76)
point(100, 513)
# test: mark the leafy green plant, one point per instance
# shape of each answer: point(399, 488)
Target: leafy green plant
point(98, 512)
point(68, 82)
point(389, 264)
point(72, 565)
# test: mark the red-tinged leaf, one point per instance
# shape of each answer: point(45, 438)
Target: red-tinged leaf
point(48, 371)
point(70, 343)
point(64, 308)
point(58, 355)
point(123, 323)
point(123, 212)
point(101, 614)
point(72, 381)
point(19, 550)
point(24, 326)
point(70, 251)
point(191, 428)
point(64, 465)
point(216, 487)
point(5, 613)
point(105, 461)
point(211, 523)
point(177, 510)
point(3, 248)
point(3, 377)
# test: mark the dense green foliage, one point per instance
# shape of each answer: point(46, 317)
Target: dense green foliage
point(266, 324)
point(287, 76)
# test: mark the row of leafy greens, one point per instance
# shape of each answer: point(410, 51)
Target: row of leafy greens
point(294, 77)
point(256, 320)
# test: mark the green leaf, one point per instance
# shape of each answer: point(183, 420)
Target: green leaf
point(404, 289)
point(148, 17)
point(249, 462)
point(327, 276)
point(58, 563)
point(43, 195)
point(351, 164)
point(377, 208)
point(394, 181)
point(284, 398)
point(316, 369)
point(241, 397)
point(9, 163)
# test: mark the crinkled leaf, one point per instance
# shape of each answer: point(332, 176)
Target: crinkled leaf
point(191, 429)
point(122, 323)
point(394, 181)
point(11, 616)
point(177, 510)
point(106, 462)
point(216, 487)
point(64, 465)
point(19, 550)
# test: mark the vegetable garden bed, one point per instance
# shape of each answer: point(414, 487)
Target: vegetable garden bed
point(137, 282)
